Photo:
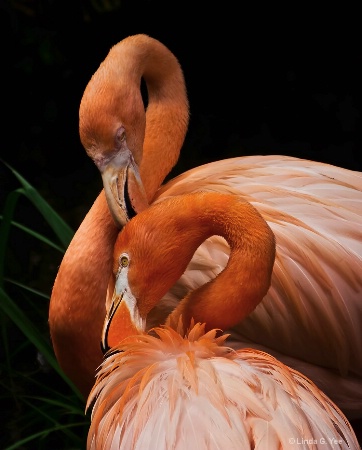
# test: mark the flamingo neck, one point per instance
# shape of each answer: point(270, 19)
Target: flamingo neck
point(240, 287)
point(113, 99)
point(160, 251)
point(77, 304)
point(167, 115)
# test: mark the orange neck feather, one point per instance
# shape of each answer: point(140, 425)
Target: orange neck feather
point(113, 98)
point(77, 304)
point(161, 249)
point(236, 291)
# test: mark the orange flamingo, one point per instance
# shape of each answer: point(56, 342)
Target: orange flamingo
point(191, 391)
point(77, 304)
point(311, 316)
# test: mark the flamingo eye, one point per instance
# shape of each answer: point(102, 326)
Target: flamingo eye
point(124, 261)
point(121, 135)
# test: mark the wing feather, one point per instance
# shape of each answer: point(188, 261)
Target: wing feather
point(313, 310)
point(234, 399)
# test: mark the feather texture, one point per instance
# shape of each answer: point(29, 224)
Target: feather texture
point(312, 312)
point(171, 391)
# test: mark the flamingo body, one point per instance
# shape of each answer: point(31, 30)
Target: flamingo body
point(315, 212)
point(181, 390)
point(174, 392)
point(311, 317)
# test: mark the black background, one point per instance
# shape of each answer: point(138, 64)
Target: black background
point(260, 81)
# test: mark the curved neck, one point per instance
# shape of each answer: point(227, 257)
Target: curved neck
point(113, 99)
point(87, 263)
point(160, 251)
point(77, 304)
point(239, 288)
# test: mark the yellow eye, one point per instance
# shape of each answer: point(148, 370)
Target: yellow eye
point(124, 261)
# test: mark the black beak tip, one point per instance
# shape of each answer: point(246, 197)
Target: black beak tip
point(108, 351)
point(104, 347)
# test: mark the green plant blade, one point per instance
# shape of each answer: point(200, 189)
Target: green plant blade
point(65, 404)
point(26, 326)
point(40, 434)
point(34, 234)
point(5, 225)
point(27, 288)
point(58, 225)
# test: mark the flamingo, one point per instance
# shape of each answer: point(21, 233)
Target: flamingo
point(77, 303)
point(171, 390)
point(310, 318)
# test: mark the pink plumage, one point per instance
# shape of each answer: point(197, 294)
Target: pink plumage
point(179, 392)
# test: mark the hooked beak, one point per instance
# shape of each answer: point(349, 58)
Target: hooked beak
point(123, 187)
point(122, 319)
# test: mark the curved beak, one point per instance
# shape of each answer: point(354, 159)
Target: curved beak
point(122, 318)
point(123, 187)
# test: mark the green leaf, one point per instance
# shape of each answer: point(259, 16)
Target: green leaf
point(58, 225)
point(65, 404)
point(10, 308)
point(5, 225)
point(27, 288)
point(41, 434)
point(36, 235)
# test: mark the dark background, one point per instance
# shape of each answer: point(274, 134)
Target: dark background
point(260, 81)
